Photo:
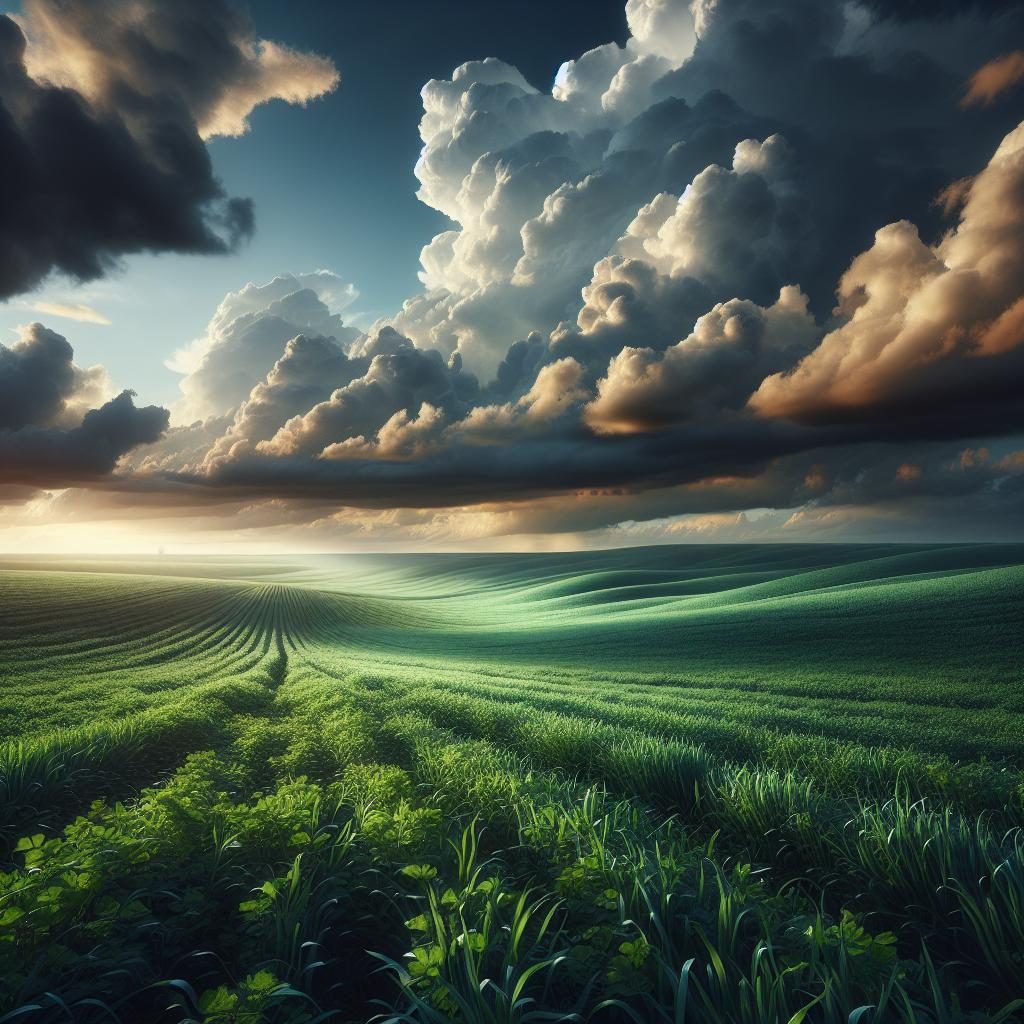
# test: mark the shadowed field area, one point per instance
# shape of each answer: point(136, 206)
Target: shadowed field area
point(706, 783)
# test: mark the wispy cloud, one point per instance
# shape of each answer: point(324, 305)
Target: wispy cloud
point(993, 79)
point(72, 311)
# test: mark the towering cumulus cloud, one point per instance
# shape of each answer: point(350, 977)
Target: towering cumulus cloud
point(767, 254)
point(245, 337)
point(103, 110)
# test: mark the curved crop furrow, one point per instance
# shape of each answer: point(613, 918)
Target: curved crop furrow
point(267, 618)
point(200, 641)
point(183, 639)
point(243, 629)
point(298, 608)
point(98, 641)
point(668, 701)
point(103, 600)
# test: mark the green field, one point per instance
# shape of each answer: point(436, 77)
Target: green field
point(765, 783)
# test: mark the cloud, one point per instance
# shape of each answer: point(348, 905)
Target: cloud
point(41, 385)
point(399, 377)
point(101, 111)
point(737, 230)
point(557, 389)
point(537, 184)
point(993, 79)
point(275, 72)
point(627, 301)
point(662, 27)
point(771, 137)
point(37, 376)
point(924, 324)
point(927, 10)
point(634, 256)
point(49, 432)
point(180, 449)
point(310, 370)
point(844, 498)
point(45, 456)
point(247, 333)
point(630, 329)
point(205, 53)
point(403, 436)
point(72, 311)
point(713, 370)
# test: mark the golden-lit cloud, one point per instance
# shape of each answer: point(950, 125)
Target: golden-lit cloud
point(277, 73)
point(108, 45)
point(557, 387)
point(715, 367)
point(72, 311)
point(401, 437)
point(921, 318)
point(993, 79)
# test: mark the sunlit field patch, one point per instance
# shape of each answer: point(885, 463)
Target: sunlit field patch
point(703, 784)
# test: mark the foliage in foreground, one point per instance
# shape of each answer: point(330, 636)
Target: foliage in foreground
point(421, 876)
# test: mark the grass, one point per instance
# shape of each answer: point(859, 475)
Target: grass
point(704, 784)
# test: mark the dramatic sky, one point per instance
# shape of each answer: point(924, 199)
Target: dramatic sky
point(333, 276)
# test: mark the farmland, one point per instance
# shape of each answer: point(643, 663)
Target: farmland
point(684, 784)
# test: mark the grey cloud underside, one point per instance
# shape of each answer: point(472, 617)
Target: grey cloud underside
point(575, 460)
point(55, 457)
point(932, 490)
point(47, 437)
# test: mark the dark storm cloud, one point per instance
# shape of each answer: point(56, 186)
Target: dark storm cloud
point(78, 189)
point(101, 116)
point(17, 494)
point(570, 459)
point(48, 434)
point(707, 346)
point(473, 473)
point(875, 130)
point(37, 376)
point(868, 114)
point(51, 456)
point(862, 491)
point(926, 10)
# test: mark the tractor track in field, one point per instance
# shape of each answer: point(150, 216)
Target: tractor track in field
point(278, 671)
point(275, 604)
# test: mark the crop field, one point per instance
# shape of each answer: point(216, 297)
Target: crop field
point(765, 784)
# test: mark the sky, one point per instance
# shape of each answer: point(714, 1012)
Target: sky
point(332, 184)
point(326, 276)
